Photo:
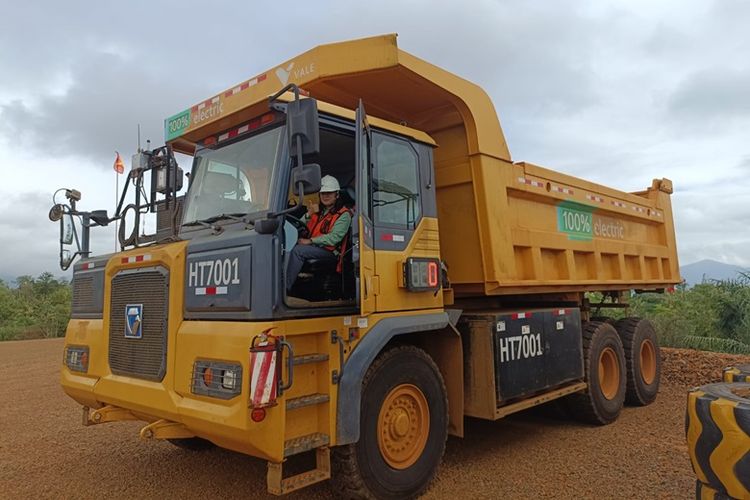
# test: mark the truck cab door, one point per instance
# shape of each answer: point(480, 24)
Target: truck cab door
point(362, 229)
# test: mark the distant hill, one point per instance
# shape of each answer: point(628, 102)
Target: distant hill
point(710, 270)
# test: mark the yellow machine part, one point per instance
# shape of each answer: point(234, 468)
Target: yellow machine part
point(718, 438)
point(736, 374)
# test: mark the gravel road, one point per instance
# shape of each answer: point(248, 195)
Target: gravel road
point(46, 452)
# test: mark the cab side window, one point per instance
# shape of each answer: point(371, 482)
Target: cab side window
point(395, 187)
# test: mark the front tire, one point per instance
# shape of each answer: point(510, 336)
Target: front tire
point(403, 429)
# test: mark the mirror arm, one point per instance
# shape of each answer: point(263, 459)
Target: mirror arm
point(122, 199)
point(273, 215)
point(290, 86)
point(301, 193)
point(85, 232)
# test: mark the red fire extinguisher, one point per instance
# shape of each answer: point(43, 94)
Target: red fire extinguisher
point(265, 369)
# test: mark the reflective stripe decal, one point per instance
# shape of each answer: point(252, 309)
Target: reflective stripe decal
point(211, 290)
point(263, 377)
point(521, 315)
point(136, 258)
point(530, 182)
point(562, 189)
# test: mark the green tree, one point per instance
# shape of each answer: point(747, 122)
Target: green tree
point(35, 307)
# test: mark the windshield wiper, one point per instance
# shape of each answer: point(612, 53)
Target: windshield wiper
point(205, 223)
point(209, 221)
point(238, 216)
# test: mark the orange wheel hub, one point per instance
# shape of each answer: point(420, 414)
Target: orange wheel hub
point(648, 362)
point(403, 426)
point(609, 373)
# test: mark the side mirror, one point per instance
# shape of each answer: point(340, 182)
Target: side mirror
point(67, 237)
point(302, 122)
point(307, 177)
point(66, 230)
point(266, 226)
point(56, 212)
point(66, 258)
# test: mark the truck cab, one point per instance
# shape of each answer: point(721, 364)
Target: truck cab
point(242, 178)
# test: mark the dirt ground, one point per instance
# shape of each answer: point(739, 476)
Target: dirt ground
point(46, 452)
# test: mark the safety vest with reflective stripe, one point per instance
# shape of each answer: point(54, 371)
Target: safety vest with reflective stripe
point(319, 226)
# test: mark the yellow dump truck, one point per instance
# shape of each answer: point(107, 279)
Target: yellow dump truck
point(460, 287)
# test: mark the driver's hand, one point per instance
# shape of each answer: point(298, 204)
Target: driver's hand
point(304, 241)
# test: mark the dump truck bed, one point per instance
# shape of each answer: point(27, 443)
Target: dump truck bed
point(534, 230)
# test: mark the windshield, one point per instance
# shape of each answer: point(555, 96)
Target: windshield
point(233, 179)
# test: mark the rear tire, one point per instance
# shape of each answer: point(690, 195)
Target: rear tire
point(604, 368)
point(603, 319)
point(642, 360)
point(403, 429)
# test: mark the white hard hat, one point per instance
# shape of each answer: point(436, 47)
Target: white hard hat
point(329, 184)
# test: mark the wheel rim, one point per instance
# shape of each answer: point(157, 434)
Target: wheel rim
point(609, 373)
point(403, 426)
point(648, 362)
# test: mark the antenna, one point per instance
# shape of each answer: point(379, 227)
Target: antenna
point(139, 137)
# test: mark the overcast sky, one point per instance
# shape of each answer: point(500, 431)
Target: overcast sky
point(618, 92)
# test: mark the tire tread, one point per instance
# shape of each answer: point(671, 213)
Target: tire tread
point(627, 329)
point(346, 479)
point(582, 404)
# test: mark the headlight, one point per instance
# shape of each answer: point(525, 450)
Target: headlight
point(229, 379)
point(77, 358)
point(217, 379)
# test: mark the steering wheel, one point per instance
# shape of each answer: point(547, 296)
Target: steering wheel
point(299, 225)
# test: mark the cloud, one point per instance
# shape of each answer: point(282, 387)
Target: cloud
point(29, 238)
point(714, 97)
point(107, 97)
point(617, 92)
point(101, 79)
point(711, 222)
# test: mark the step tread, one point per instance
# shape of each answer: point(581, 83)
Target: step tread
point(310, 358)
point(302, 444)
point(307, 400)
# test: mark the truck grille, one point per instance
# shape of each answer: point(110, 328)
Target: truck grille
point(88, 293)
point(144, 357)
point(83, 292)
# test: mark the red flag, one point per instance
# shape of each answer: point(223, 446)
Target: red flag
point(119, 165)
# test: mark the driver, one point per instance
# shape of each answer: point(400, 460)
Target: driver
point(327, 227)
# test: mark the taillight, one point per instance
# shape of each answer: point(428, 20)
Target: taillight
point(258, 414)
